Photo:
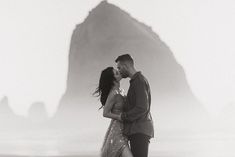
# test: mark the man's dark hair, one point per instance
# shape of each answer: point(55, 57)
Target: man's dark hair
point(125, 58)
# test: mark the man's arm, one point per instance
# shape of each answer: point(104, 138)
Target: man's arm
point(142, 103)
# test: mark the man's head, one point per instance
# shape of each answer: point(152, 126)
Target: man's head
point(124, 64)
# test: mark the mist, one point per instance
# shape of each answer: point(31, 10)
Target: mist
point(193, 105)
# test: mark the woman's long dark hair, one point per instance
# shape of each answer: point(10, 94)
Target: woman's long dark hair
point(106, 83)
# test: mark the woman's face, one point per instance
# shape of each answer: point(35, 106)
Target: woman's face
point(117, 75)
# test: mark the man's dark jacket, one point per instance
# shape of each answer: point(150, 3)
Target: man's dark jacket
point(136, 116)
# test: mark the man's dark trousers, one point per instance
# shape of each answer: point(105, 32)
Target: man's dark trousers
point(139, 144)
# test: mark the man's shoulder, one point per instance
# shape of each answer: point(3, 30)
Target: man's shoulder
point(141, 77)
point(138, 79)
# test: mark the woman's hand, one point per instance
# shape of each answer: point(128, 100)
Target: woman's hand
point(120, 117)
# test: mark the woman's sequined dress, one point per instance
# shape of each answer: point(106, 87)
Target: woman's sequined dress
point(115, 141)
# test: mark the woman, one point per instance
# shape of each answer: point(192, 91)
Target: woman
point(115, 143)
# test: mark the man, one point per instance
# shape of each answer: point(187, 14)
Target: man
point(138, 124)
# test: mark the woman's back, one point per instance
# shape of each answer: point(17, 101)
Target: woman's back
point(115, 142)
point(119, 103)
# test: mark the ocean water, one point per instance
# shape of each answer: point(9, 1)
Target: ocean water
point(210, 145)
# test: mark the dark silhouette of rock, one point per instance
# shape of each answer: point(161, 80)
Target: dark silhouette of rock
point(108, 32)
point(5, 109)
point(9, 121)
point(37, 113)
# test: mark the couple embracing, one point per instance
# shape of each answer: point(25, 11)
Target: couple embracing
point(131, 126)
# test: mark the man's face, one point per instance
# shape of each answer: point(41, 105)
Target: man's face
point(122, 68)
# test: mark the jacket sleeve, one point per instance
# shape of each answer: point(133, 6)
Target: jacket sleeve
point(142, 103)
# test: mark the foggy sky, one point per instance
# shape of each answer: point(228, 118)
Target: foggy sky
point(35, 38)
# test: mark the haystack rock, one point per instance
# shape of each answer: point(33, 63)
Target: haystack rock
point(108, 32)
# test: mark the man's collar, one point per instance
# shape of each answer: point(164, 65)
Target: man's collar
point(134, 76)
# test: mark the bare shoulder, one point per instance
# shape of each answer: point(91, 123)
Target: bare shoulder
point(112, 95)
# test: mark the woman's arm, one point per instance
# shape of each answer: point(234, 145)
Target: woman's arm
point(108, 107)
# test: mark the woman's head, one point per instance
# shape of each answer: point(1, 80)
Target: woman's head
point(107, 80)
